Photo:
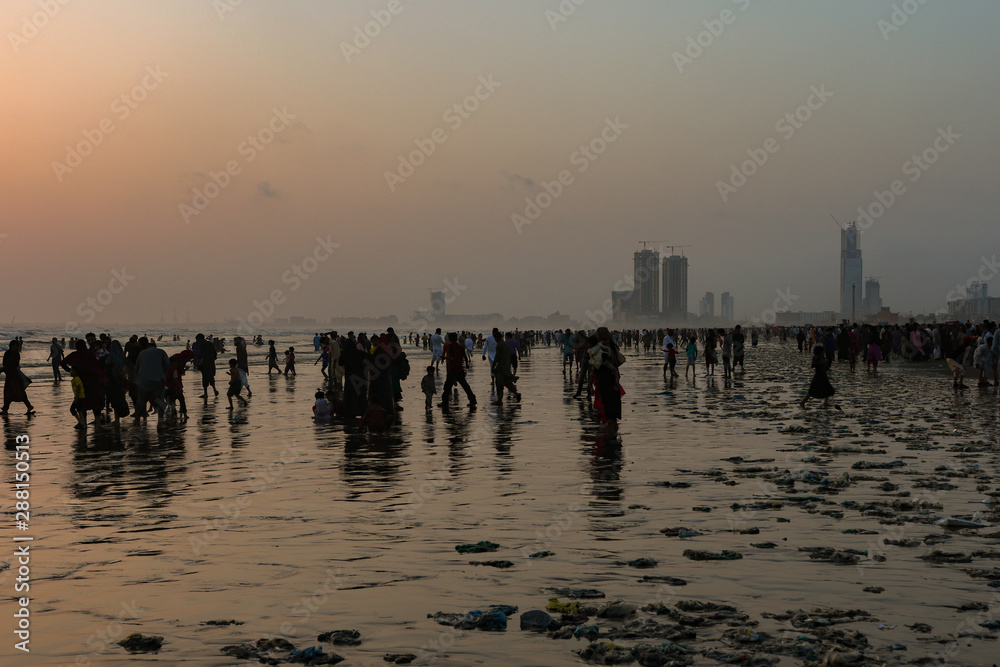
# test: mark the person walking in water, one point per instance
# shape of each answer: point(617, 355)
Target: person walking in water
point(16, 383)
point(243, 362)
point(502, 371)
point(272, 358)
point(56, 357)
point(820, 386)
point(207, 356)
point(455, 364)
point(290, 361)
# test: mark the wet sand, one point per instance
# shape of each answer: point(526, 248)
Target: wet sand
point(294, 529)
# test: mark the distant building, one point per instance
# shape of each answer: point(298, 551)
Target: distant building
point(872, 303)
point(816, 318)
point(850, 272)
point(726, 306)
point(675, 288)
point(646, 300)
point(706, 307)
point(977, 290)
point(621, 305)
point(975, 309)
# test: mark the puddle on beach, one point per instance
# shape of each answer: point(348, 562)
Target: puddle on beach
point(294, 529)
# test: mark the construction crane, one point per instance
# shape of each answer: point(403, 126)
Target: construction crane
point(645, 243)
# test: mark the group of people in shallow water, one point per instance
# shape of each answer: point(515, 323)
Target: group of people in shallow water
point(363, 375)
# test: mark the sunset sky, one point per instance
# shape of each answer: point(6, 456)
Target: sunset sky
point(120, 119)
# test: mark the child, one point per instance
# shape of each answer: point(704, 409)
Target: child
point(272, 358)
point(692, 356)
point(324, 356)
point(672, 360)
point(235, 384)
point(322, 409)
point(427, 386)
point(290, 361)
point(79, 406)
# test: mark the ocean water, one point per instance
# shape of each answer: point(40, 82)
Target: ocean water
point(294, 528)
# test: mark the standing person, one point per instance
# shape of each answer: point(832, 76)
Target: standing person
point(692, 357)
point(429, 388)
point(316, 342)
point(150, 380)
point(208, 355)
point(175, 382)
point(668, 342)
point(272, 358)
point(92, 373)
point(727, 354)
point(874, 356)
point(490, 350)
point(672, 361)
point(16, 383)
point(587, 372)
point(79, 406)
point(243, 362)
point(515, 352)
point(235, 384)
point(380, 387)
point(324, 356)
point(470, 344)
point(710, 358)
point(820, 386)
point(501, 369)
point(336, 370)
point(567, 348)
point(606, 359)
point(739, 348)
point(455, 365)
point(290, 361)
point(56, 355)
point(437, 350)
point(117, 388)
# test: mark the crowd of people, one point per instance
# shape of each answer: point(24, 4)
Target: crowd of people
point(363, 375)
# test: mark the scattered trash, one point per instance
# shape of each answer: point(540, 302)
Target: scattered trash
point(712, 555)
point(477, 548)
point(140, 643)
point(537, 620)
point(341, 637)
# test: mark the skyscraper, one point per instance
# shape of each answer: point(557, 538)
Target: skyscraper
point(726, 306)
point(675, 288)
point(873, 300)
point(850, 272)
point(646, 300)
point(706, 307)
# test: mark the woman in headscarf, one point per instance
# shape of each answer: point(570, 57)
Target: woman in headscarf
point(380, 389)
point(16, 383)
point(91, 372)
point(114, 365)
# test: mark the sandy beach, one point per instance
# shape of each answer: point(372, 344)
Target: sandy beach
point(292, 528)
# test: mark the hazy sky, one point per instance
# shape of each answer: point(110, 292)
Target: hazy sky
point(116, 114)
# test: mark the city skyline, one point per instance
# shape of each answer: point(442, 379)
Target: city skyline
point(256, 160)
